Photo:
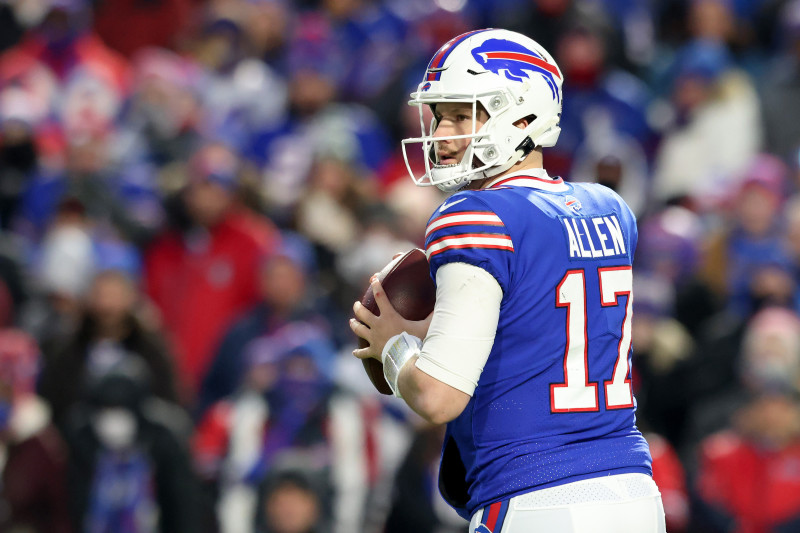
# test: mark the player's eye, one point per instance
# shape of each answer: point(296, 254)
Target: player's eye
point(462, 118)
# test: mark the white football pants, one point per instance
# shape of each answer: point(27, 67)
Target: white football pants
point(623, 503)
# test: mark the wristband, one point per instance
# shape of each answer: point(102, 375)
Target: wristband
point(398, 351)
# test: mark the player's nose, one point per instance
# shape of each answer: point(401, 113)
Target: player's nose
point(442, 130)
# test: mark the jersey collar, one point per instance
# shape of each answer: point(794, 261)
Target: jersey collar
point(535, 178)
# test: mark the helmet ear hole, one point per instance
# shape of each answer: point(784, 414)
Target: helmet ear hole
point(529, 119)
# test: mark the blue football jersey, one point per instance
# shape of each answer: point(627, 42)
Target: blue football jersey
point(554, 402)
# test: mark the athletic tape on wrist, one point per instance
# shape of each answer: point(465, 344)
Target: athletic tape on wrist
point(398, 351)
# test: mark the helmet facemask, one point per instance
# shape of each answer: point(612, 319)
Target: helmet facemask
point(449, 177)
point(494, 148)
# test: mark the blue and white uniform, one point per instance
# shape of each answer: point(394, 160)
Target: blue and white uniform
point(553, 404)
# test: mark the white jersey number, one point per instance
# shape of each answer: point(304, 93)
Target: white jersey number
point(576, 392)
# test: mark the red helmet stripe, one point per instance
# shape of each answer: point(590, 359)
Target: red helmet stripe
point(441, 56)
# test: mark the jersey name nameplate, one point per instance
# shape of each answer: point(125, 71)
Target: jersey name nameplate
point(593, 237)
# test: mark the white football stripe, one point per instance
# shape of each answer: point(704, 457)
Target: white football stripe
point(463, 219)
point(470, 241)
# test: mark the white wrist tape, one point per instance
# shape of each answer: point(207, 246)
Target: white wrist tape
point(398, 351)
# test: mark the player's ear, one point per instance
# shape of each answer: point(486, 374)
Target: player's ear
point(525, 122)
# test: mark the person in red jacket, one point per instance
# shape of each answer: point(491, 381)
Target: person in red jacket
point(748, 480)
point(204, 276)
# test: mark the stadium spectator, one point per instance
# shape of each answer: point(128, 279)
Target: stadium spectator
point(293, 500)
point(597, 87)
point(750, 240)
point(318, 122)
point(761, 441)
point(332, 203)
point(289, 301)
point(663, 345)
point(33, 488)
point(233, 84)
point(62, 273)
point(288, 408)
point(203, 277)
point(781, 89)
point(613, 159)
point(416, 488)
point(129, 466)
point(766, 363)
point(267, 26)
point(671, 251)
point(763, 445)
point(113, 327)
point(717, 126)
point(161, 123)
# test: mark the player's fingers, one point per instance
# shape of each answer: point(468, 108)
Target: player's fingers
point(359, 329)
point(362, 353)
point(384, 306)
point(363, 314)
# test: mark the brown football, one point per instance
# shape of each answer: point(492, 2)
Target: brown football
point(410, 289)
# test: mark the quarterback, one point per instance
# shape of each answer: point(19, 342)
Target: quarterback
point(527, 354)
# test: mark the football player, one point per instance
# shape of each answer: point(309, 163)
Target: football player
point(527, 355)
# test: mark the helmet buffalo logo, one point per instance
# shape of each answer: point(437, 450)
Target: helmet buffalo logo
point(482, 529)
point(515, 62)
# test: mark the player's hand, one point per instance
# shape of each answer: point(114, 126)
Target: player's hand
point(377, 330)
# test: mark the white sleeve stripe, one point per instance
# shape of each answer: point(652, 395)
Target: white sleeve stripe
point(464, 219)
point(492, 247)
point(470, 240)
point(465, 223)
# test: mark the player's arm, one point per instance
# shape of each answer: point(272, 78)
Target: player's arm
point(436, 378)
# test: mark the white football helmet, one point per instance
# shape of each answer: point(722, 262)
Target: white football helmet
point(513, 78)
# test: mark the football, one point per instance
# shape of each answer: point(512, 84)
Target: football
point(410, 289)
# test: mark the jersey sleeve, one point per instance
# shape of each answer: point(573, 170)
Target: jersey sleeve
point(466, 229)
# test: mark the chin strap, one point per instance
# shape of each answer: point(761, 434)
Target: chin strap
point(525, 147)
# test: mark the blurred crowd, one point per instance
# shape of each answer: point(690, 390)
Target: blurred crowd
point(193, 193)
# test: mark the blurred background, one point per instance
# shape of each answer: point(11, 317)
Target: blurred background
point(194, 192)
